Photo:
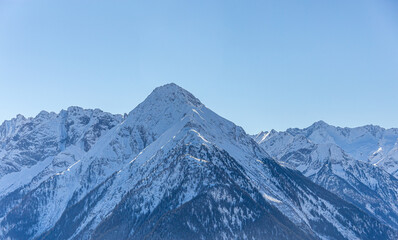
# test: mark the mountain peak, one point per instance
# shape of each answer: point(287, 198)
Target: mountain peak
point(167, 101)
point(172, 92)
point(319, 124)
point(164, 107)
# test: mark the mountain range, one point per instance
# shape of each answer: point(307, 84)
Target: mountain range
point(357, 164)
point(174, 169)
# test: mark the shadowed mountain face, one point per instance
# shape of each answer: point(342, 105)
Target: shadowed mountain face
point(171, 169)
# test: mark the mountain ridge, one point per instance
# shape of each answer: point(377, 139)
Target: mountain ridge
point(314, 152)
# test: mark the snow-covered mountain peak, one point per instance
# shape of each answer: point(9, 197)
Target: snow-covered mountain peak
point(263, 136)
point(165, 106)
point(260, 137)
point(8, 127)
point(171, 94)
point(20, 116)
point(45, 115)
point(73, 109)
point(319, 124)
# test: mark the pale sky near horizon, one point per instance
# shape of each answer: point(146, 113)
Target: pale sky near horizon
point(260, 64)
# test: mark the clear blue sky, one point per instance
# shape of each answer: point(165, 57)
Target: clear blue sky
point(261, 64)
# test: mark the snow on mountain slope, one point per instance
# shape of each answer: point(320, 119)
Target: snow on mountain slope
point(25, 142)
point(358, 182)
point(43, 147)
point(180, 168)
point(174, 169)
point(368, 143)
point(29, 146)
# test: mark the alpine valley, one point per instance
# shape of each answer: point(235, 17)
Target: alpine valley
point(174, 169)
